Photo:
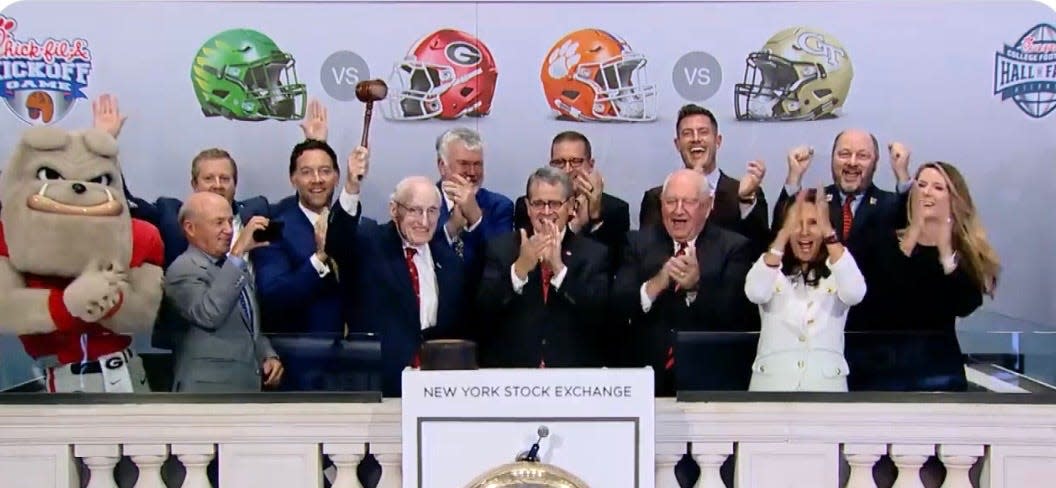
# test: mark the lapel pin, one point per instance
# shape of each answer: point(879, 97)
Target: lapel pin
point(568, 253)
point(872, 200)
point(828, 197)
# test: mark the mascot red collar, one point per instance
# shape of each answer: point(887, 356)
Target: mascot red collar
point(77, 273)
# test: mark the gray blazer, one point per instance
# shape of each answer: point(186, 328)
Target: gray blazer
point(220, 350)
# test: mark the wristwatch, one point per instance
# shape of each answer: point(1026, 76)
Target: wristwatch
point(831, 238)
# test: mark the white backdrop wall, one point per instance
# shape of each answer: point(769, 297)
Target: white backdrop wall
point(923, 74)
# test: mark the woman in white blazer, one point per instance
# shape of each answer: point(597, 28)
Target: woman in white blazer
point(804, 286)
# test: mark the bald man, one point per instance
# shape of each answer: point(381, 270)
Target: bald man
point(221, 349)
point(685, 274)
point(407, 287)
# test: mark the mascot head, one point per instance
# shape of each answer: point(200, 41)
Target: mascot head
point(62, 202)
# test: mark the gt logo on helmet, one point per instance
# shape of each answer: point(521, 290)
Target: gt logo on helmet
point(815, 44)
point(462, 53)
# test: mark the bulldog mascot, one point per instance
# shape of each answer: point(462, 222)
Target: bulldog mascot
point(77, 273)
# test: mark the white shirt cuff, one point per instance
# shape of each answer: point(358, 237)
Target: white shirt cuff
point(475, 224)
point(746, 208)
point(647, 303)
point(903, 188)
point(559, 278)
point(320, 267)
point(791, 190)
point(518, 283)
point(450, 240)
point(349, 202)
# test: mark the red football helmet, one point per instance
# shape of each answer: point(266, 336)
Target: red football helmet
point(446, 74)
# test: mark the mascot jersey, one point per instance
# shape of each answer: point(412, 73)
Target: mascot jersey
point(65, 341)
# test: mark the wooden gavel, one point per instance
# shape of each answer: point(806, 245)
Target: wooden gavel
point(369, 91)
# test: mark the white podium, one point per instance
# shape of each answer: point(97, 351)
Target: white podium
point(458, 425)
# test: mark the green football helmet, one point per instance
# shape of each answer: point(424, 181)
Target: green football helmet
point(242, 74)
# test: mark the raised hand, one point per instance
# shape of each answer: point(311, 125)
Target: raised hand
point(315, 124)
point(799, 159)
point(106, 116)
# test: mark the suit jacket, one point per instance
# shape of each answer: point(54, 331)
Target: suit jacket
point(880, 213)
point(295, 299)
point(163, 213)
point(612, 234)
point(726, 212)
point(381, 290)
point(221, 350)
point(724, 258)
point(566, 329)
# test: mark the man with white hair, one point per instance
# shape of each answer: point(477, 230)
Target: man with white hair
point(470, 214)
point(407, 287)
point(685, 274)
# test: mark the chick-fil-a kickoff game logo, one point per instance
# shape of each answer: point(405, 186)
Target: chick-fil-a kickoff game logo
point(41, 80)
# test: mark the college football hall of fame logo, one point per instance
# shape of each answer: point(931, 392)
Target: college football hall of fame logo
point(42, 80)
point(1026, 71)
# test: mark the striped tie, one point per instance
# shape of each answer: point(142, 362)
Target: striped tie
point(848, 217)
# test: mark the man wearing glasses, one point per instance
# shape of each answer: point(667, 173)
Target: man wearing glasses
point(408, 287)
point(545, 288)
point(685, 274)
point(594, 213)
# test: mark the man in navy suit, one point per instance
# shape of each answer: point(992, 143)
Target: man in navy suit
point(470, 214)
point(409, 287)
point(296, 279)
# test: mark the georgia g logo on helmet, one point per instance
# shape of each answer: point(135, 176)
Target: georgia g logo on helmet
point(462, 53)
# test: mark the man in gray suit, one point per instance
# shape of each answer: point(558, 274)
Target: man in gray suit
point(212, 290)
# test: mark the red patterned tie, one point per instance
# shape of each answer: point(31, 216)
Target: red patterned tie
point(547, 275)
point(416, 361)
point(670, 362)
point(413, 270)
point(847, 217)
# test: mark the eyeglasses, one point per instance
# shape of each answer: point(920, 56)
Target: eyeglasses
point(419, 212)
point(575, 163)
point(552, 205)
point(673, 203)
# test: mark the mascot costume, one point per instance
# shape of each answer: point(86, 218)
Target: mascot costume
point(77, 273)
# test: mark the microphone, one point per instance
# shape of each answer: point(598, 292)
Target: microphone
point(533, 454)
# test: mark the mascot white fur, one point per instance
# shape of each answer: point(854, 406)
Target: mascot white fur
point(77, 273)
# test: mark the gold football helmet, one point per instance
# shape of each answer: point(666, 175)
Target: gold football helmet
point(801, 73)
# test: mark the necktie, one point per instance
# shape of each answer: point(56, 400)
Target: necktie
point(409, 252)
point(460, 247)
point(847, 217)
point(243, 299)
point(547, 274)
point(670, 361)
point(413, 270)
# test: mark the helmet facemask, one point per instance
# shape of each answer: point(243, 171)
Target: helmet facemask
point(272, 84)
point(418, 87)
point(774, 89)
point(622, 85)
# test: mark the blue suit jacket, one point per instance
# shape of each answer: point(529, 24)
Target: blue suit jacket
point(163, 213)
point(381, 290)
point(497, 219)
point(293, 298)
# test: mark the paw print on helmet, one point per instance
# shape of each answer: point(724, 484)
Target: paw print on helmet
point(562, 60)
point(593, 75)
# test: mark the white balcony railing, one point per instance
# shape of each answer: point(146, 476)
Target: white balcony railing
point(279, 441)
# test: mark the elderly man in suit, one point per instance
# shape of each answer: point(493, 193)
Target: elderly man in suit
point(409, 287)
point(470, 214)
point(686, 274)
point(544, 289)
point(221, 349)
point(737, 205)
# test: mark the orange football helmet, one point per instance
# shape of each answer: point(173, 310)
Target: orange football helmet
point(591, 74)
